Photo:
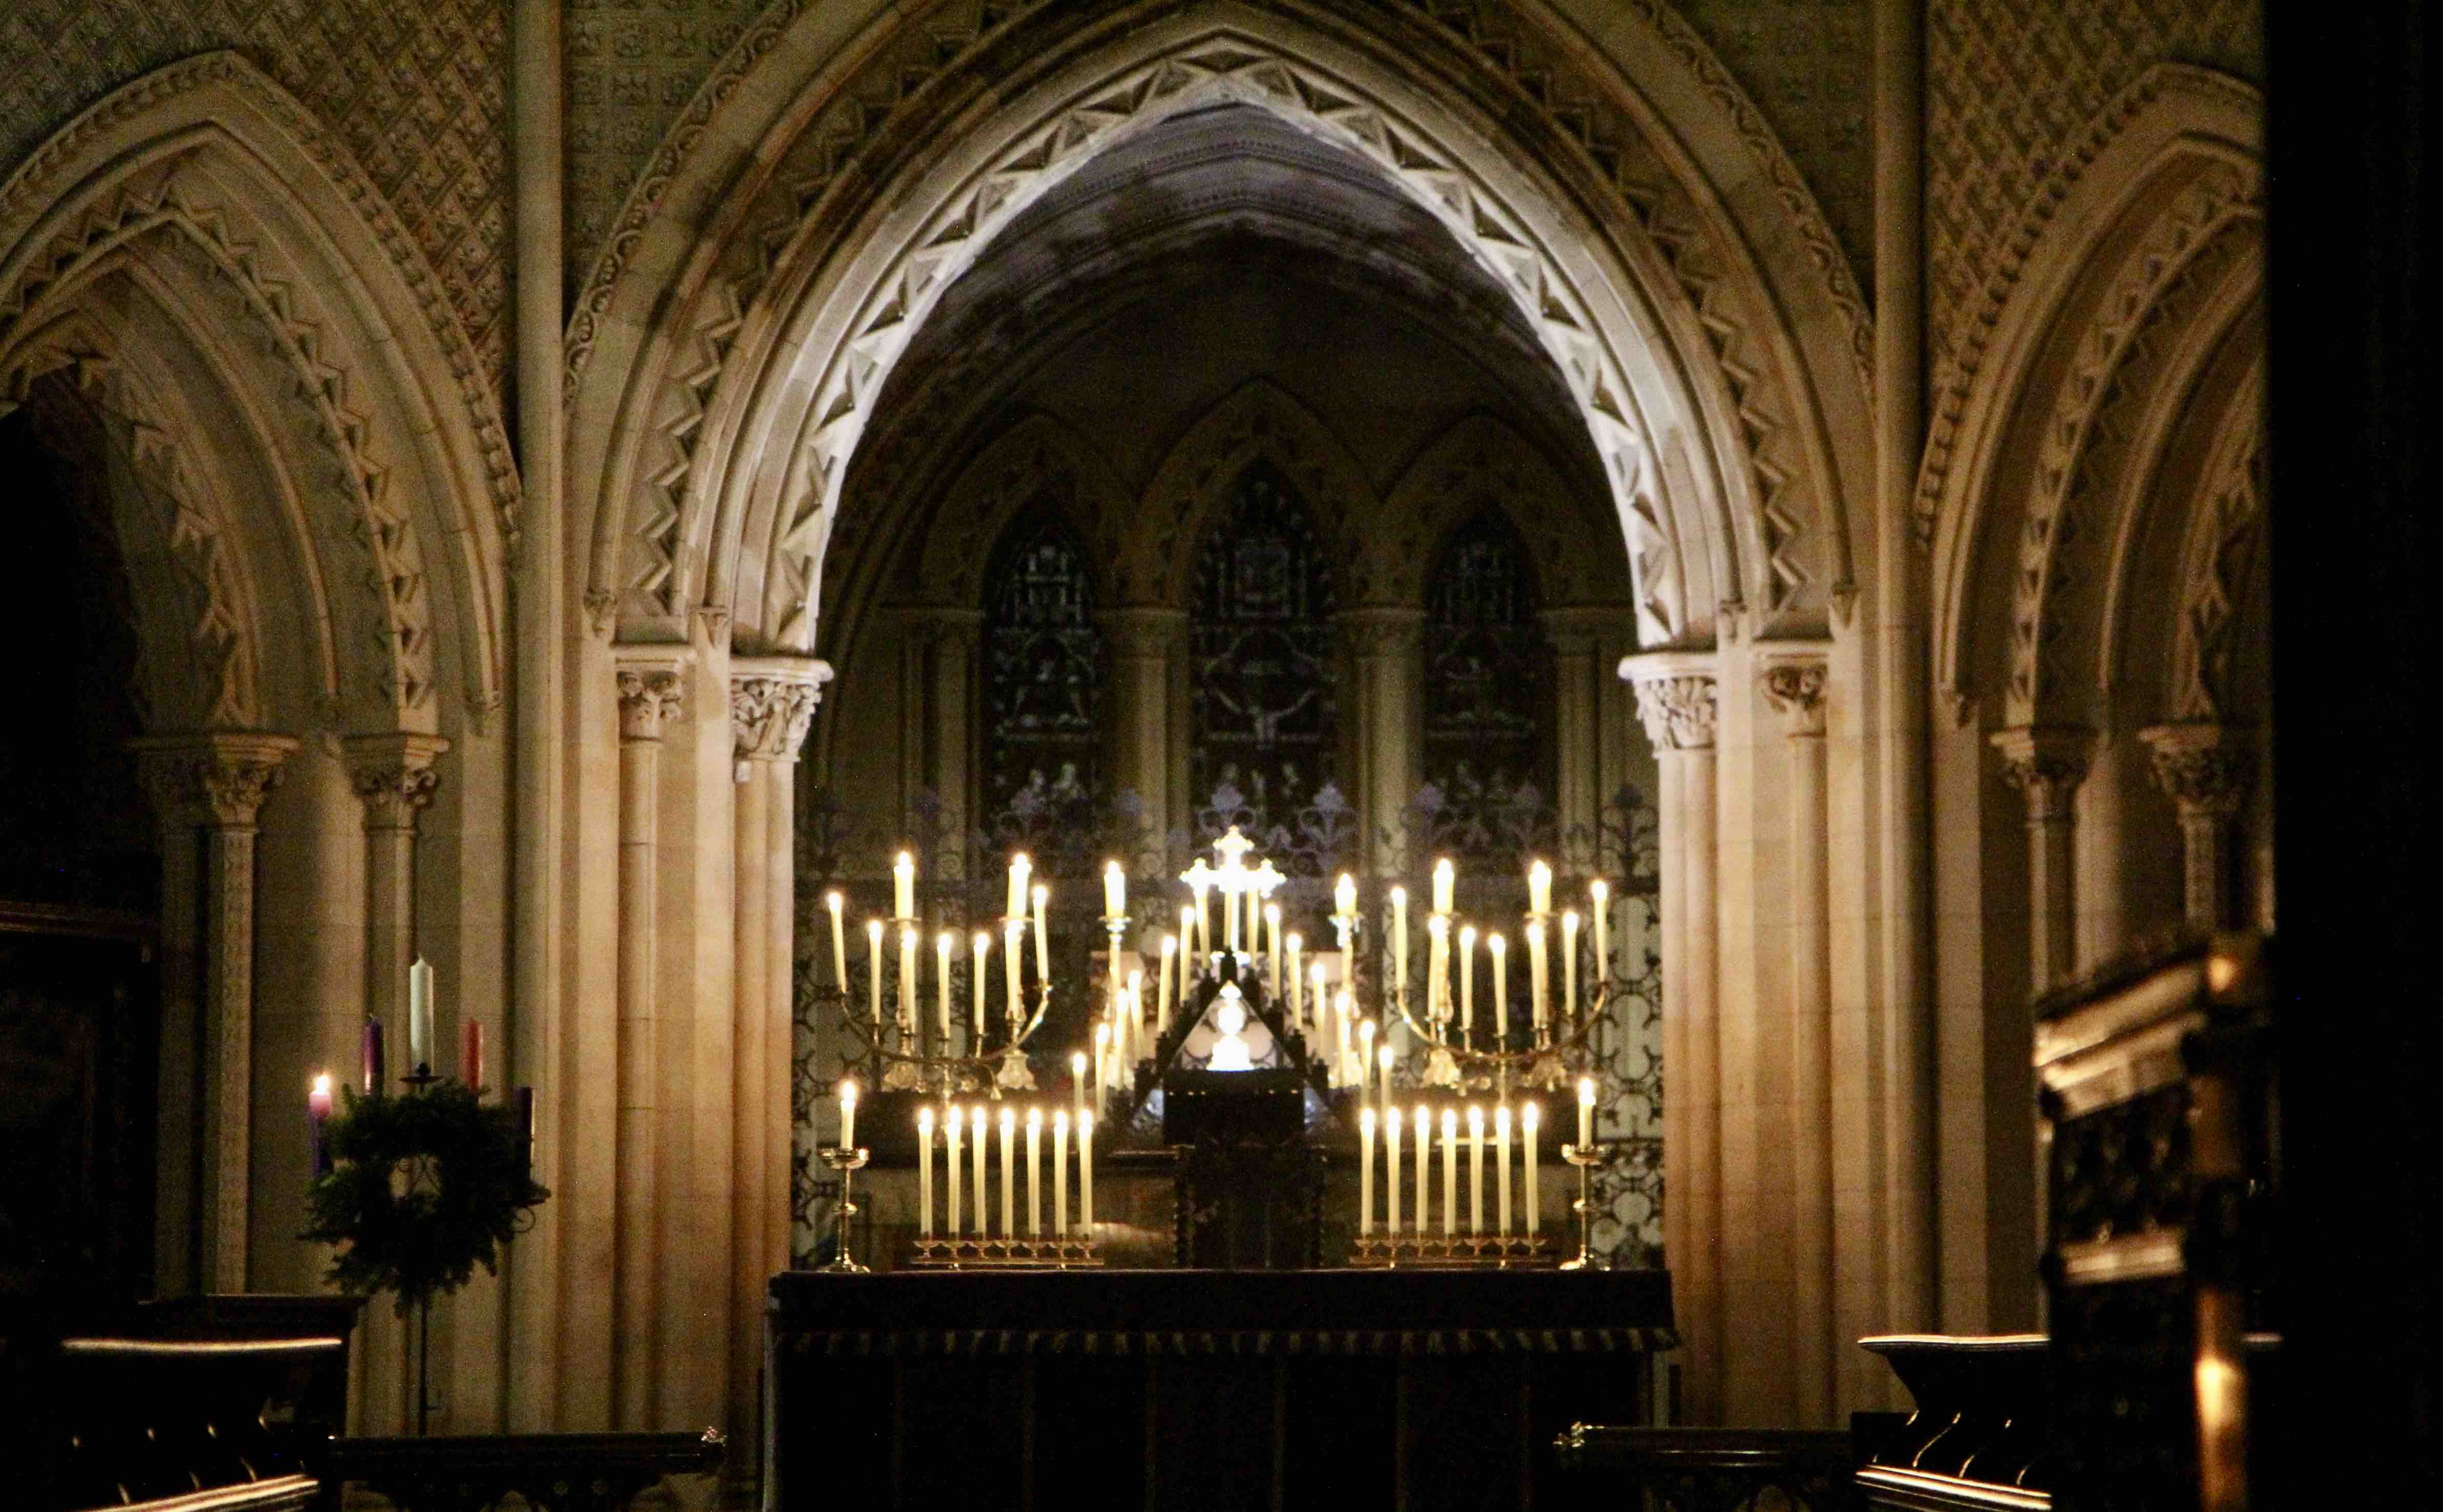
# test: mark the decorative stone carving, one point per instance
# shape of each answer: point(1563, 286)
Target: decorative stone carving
point(1794, 688)
point(394, 776)
point(772, 703)
point(214, 781)
point(1676, 701)
point(2202, 767)
point(652, 690)
point(2045, 764)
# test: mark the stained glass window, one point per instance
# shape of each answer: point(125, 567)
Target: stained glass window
point(1044, 677)
point(1488, 707)
point(1260, 673)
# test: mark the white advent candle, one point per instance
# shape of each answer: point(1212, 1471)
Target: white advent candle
point(1366, 1062)
point(1423, 1124)
point(907, 983)
point(1273, 957)
point(1391, 1187)
point(1297, 944)
point(1019, 869)
point(1162, 985)
point(1009, 1173)
point(873, 969)
point(848, 1115)
point(834, 903)
point(1450, 1172)
point(1474, 1169)
point(1539, 888)
point(1060, 1174)
point(1466, 982)
point(1498, 949)
point(943, 944)
point(982, 948)
point(1115, 891)
point(925, 1172)
point(1446, 885)
point(1501, 1163)
point(1539, 977)
point(1033, 1173)
point(1569, 965)
point(1399, 943)
point(1042, 949)
point(1365, 1173)
point(419, 1014)
point(1086, 1177)
point(1013, 937)
point(952, 1122)
point(975, 1124)
point(1529, 1117)
point(903, 886)
point(1586, 1114)
point(1598, 898)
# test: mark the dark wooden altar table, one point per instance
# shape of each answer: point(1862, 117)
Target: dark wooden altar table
point(1186, 1389)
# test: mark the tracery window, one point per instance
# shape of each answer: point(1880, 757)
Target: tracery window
point(1264, 713)
point(1043, 669)
point(1489, 696)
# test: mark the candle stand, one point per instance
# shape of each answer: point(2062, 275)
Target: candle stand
point(1004, 1255)
point(1585, 1161)
point(912, 1066)
point(847, 1162)
point(1477, 1251)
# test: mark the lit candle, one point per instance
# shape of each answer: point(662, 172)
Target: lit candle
point(1033, 1173)
point(1019, 869)
point(1342, 1012)
point(1366, 1062)
point(907, 984)
point(1298, 1008)
point(1042, 949)
point(419, 1015)
point(1599, 895)
point(943, 944)
point(1078, 1081)
point(1061, 1173)
point(981, 946)
point(1273, 958)
point(471, 1053)
point(1474, 1169)
point(1009, 1171)
point(1391, 1187)
point(1399, 943)
point(975, 1127)
point(1539, 888)
point(1466, 982)
point(372, 1051)
point(1586, 1114)
point(1013, 939)
point(833, 902)
point(848, 1115)
point(1199, 877)
point(1450, 1172)
point(1529, 1117)
point(1437, 969)
point(1446, 885)
point(1501, 1163)
point(951, 1120)
point(1569, 965)
point(1423, 1123)
point(1365, 1173)
point(1086, 1175)
point(903, 886)
point(873, 969)
point(1162, 985)
point(1115, 891)
point(925, 1172)
point(1539, 977)
point(1498, 949)
point(317, 1117)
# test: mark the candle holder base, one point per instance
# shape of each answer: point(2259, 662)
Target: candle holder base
point(1466, 1251)
point(1585, 1161)
point(1004, 1255)
point(847, 1162)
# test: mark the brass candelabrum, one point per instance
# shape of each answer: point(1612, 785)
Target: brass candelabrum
point(1585, 1161)
point(1552, 1057)
point(921, 1062)
point(1466, 1251)
point(847, 1163)
point(977, 1252)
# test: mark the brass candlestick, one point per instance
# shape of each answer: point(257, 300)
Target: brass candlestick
point(847, 1162)
point(1585, 1161)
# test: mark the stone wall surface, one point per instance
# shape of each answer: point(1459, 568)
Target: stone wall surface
point(417, 89)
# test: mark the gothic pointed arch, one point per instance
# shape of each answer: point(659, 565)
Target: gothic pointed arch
point(200, 239)
point(788, 243)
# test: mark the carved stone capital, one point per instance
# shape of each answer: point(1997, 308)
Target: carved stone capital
point(1794, 684)
point(2045, 763)
point(393, 774)
point(215, 780)
point(1676, 698)
point(772, 703)
point(652, 688)
point(1382, 630)
point(2206, 769)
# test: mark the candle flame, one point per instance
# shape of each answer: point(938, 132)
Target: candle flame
point(835, 899)
point(1587, 1090)
point(925, 1122)
point(1008, 1120)
point(1033, 1119)
point(847, 1094)
point(1530, 1115)
point(322, 1082)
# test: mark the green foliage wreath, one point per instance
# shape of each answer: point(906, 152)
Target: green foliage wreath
point(423, 1189)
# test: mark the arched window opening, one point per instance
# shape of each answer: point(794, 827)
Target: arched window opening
point(1489, 743)
point(1266, 716)
point(1044, 733)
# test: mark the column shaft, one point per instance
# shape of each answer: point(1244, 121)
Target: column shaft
point(229, 1047)
point(177, 1262)
point(2207, 774)
point(1796, 690)
point(2046, 763)
point(1145, 643)
point(1390, 648)
point(650, 692)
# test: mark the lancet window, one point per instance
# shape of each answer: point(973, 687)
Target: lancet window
point(1044, 729)
point(1488, 672)
point(1265, 717)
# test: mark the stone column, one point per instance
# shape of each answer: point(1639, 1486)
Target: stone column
point(1676, 699)
point(213, 783)
point(1794, 684)
point(771, 702)
point(2046, 763)
point(393, 776)
point(651, 683)
point(1577, 722)
point(955, 637)
point(1388, 647)
point(2207, 771)
point(1145, 641)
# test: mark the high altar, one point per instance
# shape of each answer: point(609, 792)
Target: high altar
point(1262, 1243)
